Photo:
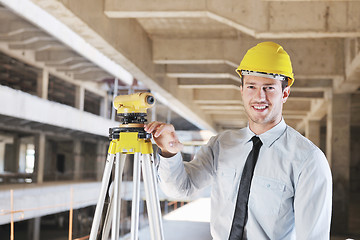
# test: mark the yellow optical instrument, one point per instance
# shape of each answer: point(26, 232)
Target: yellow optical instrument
point(134, 103)
point(132, 111)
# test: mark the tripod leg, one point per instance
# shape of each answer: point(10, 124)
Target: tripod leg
point(152, 198)
point(135, 198)
point(108, 217)
point(100, 203)
point(119, 167)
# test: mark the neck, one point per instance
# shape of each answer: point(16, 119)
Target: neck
point(261, 128)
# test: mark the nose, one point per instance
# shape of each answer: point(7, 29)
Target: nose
point(260, 94)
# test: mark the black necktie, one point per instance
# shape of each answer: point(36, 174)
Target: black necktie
point(240, 215)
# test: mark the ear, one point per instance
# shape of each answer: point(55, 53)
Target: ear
point(286, 94)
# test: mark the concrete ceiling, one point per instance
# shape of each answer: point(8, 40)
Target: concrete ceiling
point(187, 51)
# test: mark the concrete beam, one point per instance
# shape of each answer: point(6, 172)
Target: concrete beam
point(334, 17)
point(25, 106)
point(317, 111)
point(20, 35)
point(307, 56)
point(40, 45)
point(223, 71)
point(203, 75)
point(59, 57)
point(208, 83)
point(144, 9)
point(216, 95)
point(311, 84)
point(224, 108)
point(14, 26)
point(29, 38)
point(320, 19)
point(306, 94)
point(78, 66)
point(217, 101)
point(294, 105)
point(92, 75)
point(44, 199)
point(300, 85)
point(200, 68)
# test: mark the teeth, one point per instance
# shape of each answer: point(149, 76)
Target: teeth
point(260, 107)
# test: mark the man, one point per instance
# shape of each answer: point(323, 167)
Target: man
point(268, 181)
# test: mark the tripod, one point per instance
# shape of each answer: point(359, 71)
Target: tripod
point(129, 138)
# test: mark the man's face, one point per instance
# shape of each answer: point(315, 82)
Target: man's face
point(263, 100)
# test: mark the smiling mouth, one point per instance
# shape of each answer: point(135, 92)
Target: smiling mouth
point(260, 107)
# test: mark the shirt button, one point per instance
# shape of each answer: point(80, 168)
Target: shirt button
point(268, 185)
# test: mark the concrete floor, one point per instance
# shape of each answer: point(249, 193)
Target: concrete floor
point(191, 221)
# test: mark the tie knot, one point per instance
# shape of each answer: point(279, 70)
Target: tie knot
point(256, 141)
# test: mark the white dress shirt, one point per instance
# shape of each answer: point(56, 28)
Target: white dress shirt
point(291, 190)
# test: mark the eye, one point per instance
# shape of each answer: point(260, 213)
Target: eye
point(268, 88)
point(250, 87)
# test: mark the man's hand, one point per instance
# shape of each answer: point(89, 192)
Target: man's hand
point(165, 137)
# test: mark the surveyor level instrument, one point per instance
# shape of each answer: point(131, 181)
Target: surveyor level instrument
point(129, 138)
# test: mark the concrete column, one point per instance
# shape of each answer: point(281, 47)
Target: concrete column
point(36, 232)
point(33, 228)
point(339, 130)
point(78, 159)
point(22, 157)
point(40, 157)
point(5, 142)
point(312, 131)
point(329, 127)
point(104, 106)
point(12, 161)
point(80, 97)
point(43, 84)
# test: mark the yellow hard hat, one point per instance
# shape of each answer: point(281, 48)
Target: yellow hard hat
point(267, 58)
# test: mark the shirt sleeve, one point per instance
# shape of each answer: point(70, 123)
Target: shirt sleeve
point(313, 199)
point(183, 179)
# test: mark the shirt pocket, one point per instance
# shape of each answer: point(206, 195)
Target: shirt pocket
point(224, 182)
point(266, 196)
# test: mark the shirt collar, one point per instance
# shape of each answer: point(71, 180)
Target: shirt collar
point(270, 136)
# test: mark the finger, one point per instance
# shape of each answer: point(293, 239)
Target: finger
point(164, 128)
point(147, 126)
point(151, 126)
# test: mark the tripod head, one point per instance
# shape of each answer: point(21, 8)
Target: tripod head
point(132, 110)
